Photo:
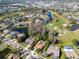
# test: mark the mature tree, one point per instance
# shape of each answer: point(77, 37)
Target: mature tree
point(75, 42)
point(31, 30)
point(37, 29)
point(53, 37)
point(55, 40)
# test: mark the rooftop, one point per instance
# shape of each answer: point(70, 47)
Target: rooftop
point(40, 45)
point(54, 50)
point(13, 56)
point(70, 52)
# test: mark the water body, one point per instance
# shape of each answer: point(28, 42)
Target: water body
point(75, 27)
point(21, 30)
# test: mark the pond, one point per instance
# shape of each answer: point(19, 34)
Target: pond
point(74, 27)
point(21, 29)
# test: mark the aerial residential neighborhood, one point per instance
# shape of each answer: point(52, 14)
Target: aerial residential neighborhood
point(39, 29)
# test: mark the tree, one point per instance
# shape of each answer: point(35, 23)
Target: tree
point(39, 36)
point(21, 38)
point(75, 42)
point(55, 40)
point(31, 30)
point(44, 33)
point(53, 37)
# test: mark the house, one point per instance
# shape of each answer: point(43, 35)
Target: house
point(38, 22)
point(7, 21)
point(54, 51)
point(40, 45)
point(14, 34)
point(77, 20)
point(45, 21)
point(32, 57)
point(1, 21)
point(75, 7)
point(30, 40)
point(70, 52)
point(17, 34)
point(1, 30)
point(69, 17)
point(20, 35)
point(13, 56)
point(6, 31)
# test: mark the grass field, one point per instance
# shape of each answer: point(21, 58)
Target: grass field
point(57, 24)
point(69, 37)
point(60, 21)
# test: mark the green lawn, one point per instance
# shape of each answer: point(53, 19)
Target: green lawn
point(69, 37)
point(57, 24)
point(51, 26)
point(60, 22)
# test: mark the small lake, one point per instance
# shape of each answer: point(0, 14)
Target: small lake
point(21, 30)
point(74, 27)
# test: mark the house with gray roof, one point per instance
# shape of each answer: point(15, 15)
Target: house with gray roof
point(70, 52)
point(30, 40)
point(54, 51)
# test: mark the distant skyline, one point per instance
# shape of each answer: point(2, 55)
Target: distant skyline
point(24, 1)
